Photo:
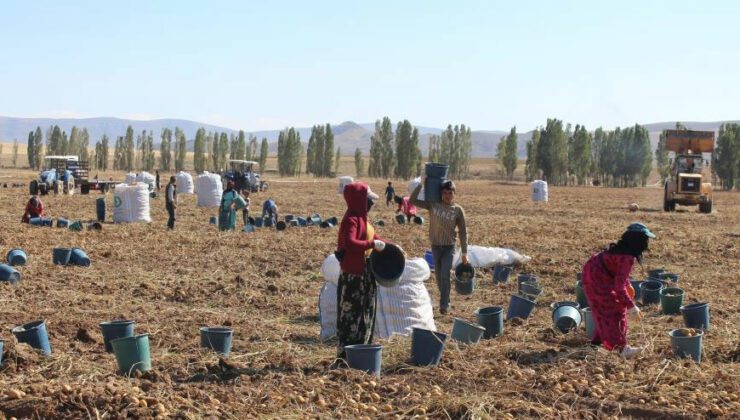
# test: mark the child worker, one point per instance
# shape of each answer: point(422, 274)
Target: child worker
point(405, 207)
point(606, 282)
point(356, 288)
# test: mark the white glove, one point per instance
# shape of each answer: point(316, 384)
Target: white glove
point(379, 245)
point(636, 312)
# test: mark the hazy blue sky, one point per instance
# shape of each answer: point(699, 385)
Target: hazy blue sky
point(268, 64)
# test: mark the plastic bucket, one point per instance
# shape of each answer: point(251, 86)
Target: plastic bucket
point(696, 315)
point(34, 334)
point(217, 338)
point(433, 190)
point(268, 222)
point(556, 305)
point(365, 357)
point(581, 295)
point(326, 224)
point(293, 223)
point(637, 285)
point(588, 321)
point(132, 353)
point(532, 290)
point(100, 209)
point(35, 221)
point(115, 329)
point(466, 332)
point(315, 219)
point(686, 346)
point(656, 273)
point(519, 307)
point(333, 220)
point(566, 317)
point(526, 278)
point(387, 265)
point(47, 221)
point(671, 277)
point(289, 217)
point(9, 274)
point(436, 170)
point(281, 225)
point(62, 223)
point(61, 256)
point(213, 220)
point(16, 257)
point(302, 222)
point(427, 347)
point(239, 202)
point(501, 273)
point(418, 220)
point(401, 219)
point(379, 223)
point(492, 319)
point(671, 299)
point(429, 258)
point(651, 291)
point(249, 228)
point(259, 222)
point(79, 257)
point(465, 279)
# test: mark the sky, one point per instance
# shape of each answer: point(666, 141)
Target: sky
point(258, 65)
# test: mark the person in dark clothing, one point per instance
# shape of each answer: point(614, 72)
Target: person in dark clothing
point(356, 288)
point(389, 193)
point(156, 182)
point(245, 209)
point(170, 194)
point(270, 209)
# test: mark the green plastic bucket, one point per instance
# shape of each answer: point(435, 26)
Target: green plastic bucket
point(671, 299)
point(132, 353)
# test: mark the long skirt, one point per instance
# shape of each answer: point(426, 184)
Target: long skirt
point(356, 303)
point(227, 219)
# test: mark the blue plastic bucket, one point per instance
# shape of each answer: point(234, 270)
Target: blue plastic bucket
point(532, 290)
point(280, 225)
point(465, 279)
point(651, 292)
point(62, 223)
point(566, 317)
point(100, 209)
point(248, 228)
point(16, 257)
point(433, 190)
point(656, 273)
point(427, 347)
point(302, 222)
point(333, 220)
point(401, 219)
point(466, 332)
point(293, 223)
point(259, 222)
point(289, 217)
point(519, 307)
point(9, 274)
point(588, 321)
point(526, 278)
point(365, 357)
point(34, 334)
point(418, 220)
point(387, 265)
point(267, 222)
point(213, 220)
point(35, 221)
point(315, 219)
point(79, 257)
point(132, 353)
point(217, 338)
point(696, 315)
point(326, 224)
point(436, 170)
point(61, 256)
point(501, 273)
point(115, 329)
point(492, 319)
point(684, 346)
point(47, 221)
point(379, 222)
point(429, 258)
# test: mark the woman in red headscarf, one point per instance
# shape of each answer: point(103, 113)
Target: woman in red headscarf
point(34, 208)
point(356, 289)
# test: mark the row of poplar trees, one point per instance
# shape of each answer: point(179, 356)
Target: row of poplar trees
point(57, 143)
point(211, 151)
point(726, 156)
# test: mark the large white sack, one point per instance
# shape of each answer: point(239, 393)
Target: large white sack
point(399, 308)
point(343, 182)
point(539, 191)
point(148, 179)
point(131, 203)
point(184, 182)
point(330, 269)
point(208, 188)
point(487, 257)
point(412, 186)
point(130, 178)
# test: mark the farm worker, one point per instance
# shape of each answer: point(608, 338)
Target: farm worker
point(405, 207)
point(389, 193)
point(270, 209)
point(227, 209)
point(245, 209)
point(606, 283)
point(170, 196)
point(34, 208)
point(356, 288)
point(444, 217)
point(156, 180)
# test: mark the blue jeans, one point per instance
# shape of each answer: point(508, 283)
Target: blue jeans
point(442, 266)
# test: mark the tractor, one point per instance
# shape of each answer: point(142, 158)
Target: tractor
point(688, 183)
point(244, 177)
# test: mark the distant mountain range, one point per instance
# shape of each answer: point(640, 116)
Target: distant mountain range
point(347, 135)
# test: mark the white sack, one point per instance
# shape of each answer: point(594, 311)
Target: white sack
point(330, 269)
point(412, 186)
point(130, 178)
point(343, 182)
point(131, 203)
point(539, 191)
point(209, 188)
point(487, 257)
point(184, 183)
point(148, 179)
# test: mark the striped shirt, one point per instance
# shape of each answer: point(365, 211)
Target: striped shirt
point(443, 219)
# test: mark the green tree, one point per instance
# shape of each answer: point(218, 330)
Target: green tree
point(14, 156)
point(359, 163)
point(165, 150)
point(726, 156)
point(388, 160)
point(405, 150)
point(223, 151)
point(38, 148)
point(501, 156)
point(30, 151)
point(199, 150)
point(130, 149)
point(433, 153)
point(119, 154)
point(264, 149)
point(552, 152)
point(180, 149)
point(252, 149)
point(581, 154)
point(375, 166)
point(337, 159)
point(311, 151)
point(510, 157)
point(531, 168)
point(328, 150)
point(54, 140)
point(241, 147)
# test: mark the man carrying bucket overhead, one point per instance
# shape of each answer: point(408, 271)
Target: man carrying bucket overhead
point(606, 282)
point(356, 288)
point(444, 217)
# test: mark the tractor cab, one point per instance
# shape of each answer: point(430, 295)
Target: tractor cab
point(687, 184)
point(243, 173)
point(60, 172)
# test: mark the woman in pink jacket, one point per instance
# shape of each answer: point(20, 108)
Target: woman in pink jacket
point(606, 278)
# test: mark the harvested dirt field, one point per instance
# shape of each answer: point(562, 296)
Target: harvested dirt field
point(266, 286)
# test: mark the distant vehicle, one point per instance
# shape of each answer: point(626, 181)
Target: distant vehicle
point(686, 183)
point(243, 173)
point(65, 172)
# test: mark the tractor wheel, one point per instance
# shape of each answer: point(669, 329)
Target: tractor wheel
point(706, 207)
